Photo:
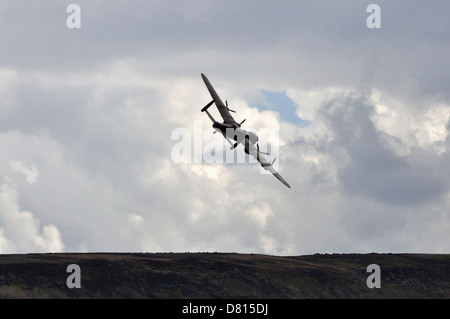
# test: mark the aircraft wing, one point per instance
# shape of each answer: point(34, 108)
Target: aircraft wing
point(277, 175)
point(252, 150)
point(224, 112)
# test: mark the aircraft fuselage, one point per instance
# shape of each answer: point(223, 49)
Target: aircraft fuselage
point(232, 131)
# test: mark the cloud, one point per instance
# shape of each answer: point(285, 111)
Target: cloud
point(372, 168)
point(21, 231)
point(6, 246)
point(135, 219)
point(86, 118)
point(30, 172)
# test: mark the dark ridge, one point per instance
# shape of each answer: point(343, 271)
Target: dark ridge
point(223, 276)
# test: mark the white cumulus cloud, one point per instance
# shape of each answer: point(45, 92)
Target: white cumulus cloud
point(21, 231)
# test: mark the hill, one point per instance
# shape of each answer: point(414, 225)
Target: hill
point(222, 275)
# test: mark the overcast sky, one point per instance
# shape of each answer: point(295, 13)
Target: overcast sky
point(87, 116)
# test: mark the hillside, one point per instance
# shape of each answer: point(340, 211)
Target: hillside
point(223, 275)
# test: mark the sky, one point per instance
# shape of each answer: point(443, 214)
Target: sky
point(88, 115)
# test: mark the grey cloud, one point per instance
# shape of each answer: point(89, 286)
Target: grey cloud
point(373, 169)
point(307, 43)
point(92, 110)
point(36, 108)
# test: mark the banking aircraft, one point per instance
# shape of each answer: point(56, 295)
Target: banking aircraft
point(232, 131)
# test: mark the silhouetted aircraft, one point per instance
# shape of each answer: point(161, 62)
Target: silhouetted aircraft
point(232, 131)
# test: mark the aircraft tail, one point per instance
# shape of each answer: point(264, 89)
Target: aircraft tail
point(207, 106)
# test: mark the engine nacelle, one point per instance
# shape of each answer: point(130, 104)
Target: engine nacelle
point(252, 137)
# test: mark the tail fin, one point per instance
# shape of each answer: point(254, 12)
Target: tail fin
point(207, 106)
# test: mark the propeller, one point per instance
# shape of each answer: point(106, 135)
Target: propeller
point(226, 103)
point(242, 122)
